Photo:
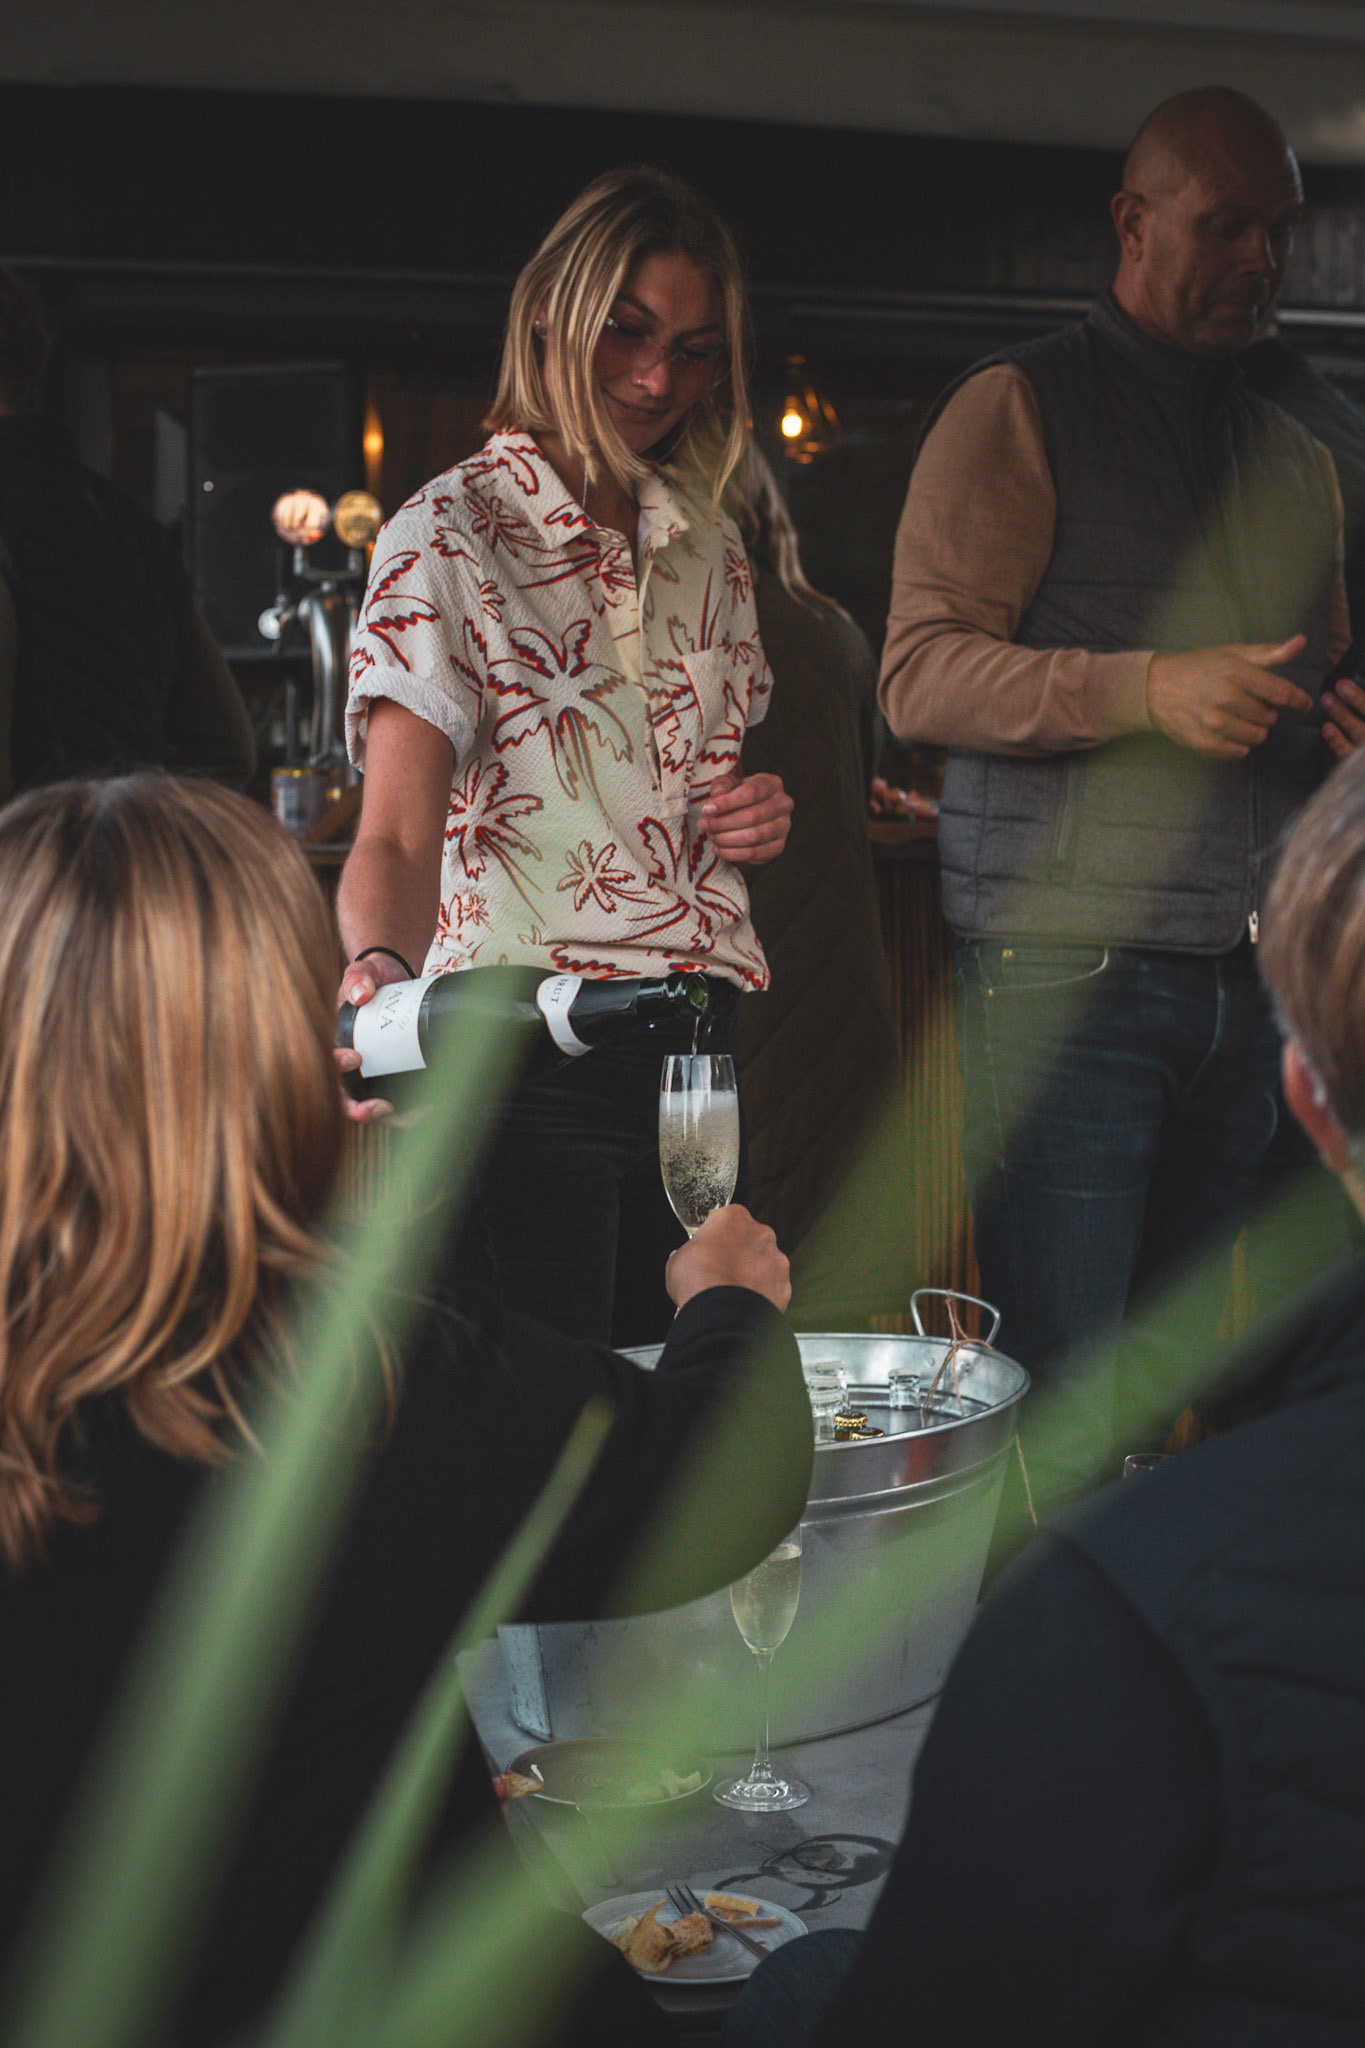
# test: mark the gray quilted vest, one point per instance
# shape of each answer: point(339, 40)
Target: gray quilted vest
point(1190, 513)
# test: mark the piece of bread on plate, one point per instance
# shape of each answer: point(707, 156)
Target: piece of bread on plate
point(650, 1947)
point(691, 1934)
point(728, 1906)
point(737, 1912)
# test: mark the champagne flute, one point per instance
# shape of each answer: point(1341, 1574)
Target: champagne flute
point(698, 1134)
point(763, 1603)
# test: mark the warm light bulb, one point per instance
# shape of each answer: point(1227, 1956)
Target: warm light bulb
point(373, 446)
point(357, 517)
point(793, 424)
point(301, 517)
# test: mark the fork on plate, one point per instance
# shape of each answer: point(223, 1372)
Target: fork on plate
point(684, 1901)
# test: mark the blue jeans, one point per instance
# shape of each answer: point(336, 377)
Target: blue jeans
point(1119, 1103)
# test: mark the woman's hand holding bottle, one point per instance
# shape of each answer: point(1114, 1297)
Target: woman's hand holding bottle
point(360, 984)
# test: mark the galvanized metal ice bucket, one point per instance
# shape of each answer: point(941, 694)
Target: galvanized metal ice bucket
point(916, 1505)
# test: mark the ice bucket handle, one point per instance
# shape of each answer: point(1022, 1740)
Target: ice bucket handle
point(951, 1294)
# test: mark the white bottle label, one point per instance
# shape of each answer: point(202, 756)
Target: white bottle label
point(553, 999)
point(385, 1032)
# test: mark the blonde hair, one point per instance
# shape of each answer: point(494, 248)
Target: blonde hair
point(569, 286)
point(1313, 945)
point(169, 1119)
point(759, 511)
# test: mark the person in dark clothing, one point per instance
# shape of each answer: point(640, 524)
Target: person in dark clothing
point(1139, 1816)
point(106, 663)
point(817, 1051)
point(169, 1140)
point(1116, 597)
point(1302, 1222)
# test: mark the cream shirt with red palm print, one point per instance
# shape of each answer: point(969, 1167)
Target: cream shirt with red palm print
point(589, 716)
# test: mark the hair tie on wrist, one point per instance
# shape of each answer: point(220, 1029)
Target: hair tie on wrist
point(388, 950)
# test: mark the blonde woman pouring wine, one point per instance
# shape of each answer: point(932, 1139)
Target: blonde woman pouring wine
point(556, 664)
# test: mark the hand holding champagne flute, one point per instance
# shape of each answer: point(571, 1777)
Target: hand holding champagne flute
point(731, 1249)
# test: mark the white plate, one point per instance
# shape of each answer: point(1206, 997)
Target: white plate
point(727, 1961)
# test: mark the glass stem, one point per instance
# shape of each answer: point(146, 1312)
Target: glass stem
point(761, 1769)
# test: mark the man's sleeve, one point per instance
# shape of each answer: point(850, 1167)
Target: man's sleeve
point(972, 548)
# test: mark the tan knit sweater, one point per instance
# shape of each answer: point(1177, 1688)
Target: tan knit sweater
point(971, 550)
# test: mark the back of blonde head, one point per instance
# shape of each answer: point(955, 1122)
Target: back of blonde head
point(568, 288)
point(1313, 949)
point(169, 1120)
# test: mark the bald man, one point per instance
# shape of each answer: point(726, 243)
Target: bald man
point(1117, 591)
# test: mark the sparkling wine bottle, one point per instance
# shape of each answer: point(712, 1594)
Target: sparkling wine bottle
point(558, 1016)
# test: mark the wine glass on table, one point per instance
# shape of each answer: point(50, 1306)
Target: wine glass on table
point(764, 1606)
point(698, 1134)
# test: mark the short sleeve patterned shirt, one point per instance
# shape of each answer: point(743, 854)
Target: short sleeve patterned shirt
point(589, 715)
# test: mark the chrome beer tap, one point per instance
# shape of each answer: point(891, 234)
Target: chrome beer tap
point(326, 611)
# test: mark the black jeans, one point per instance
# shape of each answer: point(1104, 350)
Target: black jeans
point(569, 1221)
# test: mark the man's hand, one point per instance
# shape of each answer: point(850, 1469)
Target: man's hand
point(360, 984)
point(747, 819)
point(886, 800)
point(1344, 729)
point(730, 1250)
point(1222, 701)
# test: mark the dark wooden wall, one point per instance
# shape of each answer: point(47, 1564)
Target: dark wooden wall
point(168, 228)
point(463, 192)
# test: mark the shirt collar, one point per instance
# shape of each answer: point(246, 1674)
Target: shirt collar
point(663, 507)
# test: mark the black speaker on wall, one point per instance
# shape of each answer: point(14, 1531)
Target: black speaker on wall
point(253, 434)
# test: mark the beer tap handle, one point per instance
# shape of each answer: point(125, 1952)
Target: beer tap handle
point(276, 620)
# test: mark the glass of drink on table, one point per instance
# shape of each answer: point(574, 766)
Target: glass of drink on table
point(903, 1387)
point(698, 1134)
point(763, 1603)
point(827, 1386)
